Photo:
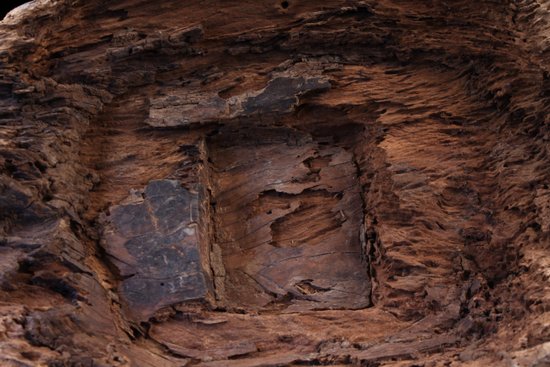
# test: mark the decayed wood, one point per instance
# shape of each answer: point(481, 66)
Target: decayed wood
point(266, 183)
point(152, 240)
point(287, 218)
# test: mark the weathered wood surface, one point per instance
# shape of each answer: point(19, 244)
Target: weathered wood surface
point(339, 183)
point(153, 242)
point(288, 214)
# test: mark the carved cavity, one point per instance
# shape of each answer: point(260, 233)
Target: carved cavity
point(287, 218)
